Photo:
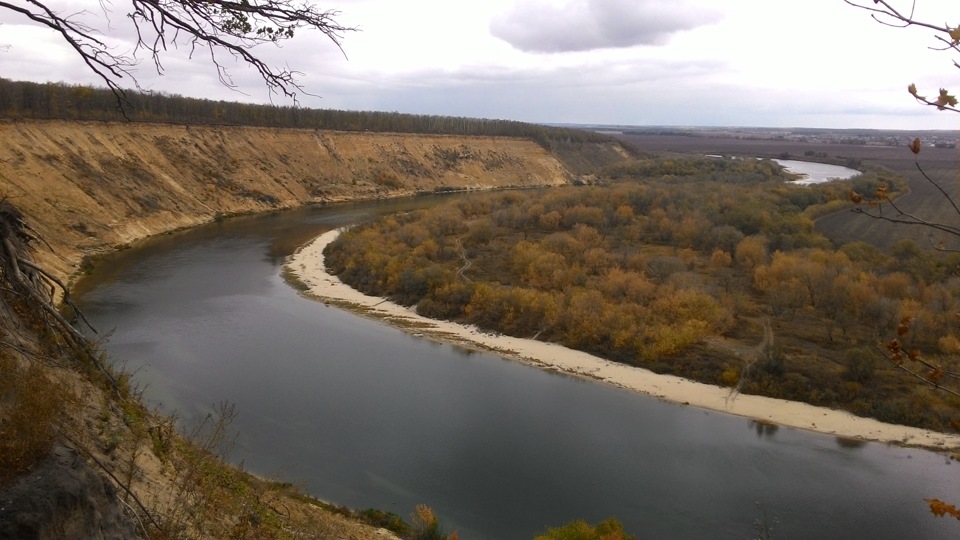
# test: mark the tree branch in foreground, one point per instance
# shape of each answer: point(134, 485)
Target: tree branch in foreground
point(220, 27)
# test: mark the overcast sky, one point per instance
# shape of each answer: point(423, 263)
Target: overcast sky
point(810, 63)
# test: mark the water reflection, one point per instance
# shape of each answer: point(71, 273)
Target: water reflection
point(763, 428)
point(365, 415)
point(816, 173)
point(847, 442)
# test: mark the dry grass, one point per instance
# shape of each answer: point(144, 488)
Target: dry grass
point(33, 410)
point(174, 483)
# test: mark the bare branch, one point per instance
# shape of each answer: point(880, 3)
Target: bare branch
point(890, 16)
point(900, 366)
point(110, 67)
point(234, 28)
point(884, 13)
point(906, 218)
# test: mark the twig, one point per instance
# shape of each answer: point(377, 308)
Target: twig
point(905, 369)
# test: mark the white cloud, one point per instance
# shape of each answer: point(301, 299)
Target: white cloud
point(819, 64)
point(583, 25)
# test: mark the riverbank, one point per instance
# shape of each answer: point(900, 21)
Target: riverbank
point(114, 183)
point(309, 267)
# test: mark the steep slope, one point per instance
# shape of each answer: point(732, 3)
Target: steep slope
point(89, 187)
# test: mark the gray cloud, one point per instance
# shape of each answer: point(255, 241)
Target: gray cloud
point(582, 25)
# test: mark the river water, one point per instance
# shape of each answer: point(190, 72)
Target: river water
point(816, 173)
point(364, 415)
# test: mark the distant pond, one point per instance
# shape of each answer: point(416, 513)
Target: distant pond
point(816, 173)
point(364, 415)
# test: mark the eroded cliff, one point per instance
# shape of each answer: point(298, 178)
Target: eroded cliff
point(88, 187)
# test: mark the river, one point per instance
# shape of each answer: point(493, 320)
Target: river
point(364, 415)
point(816, 173)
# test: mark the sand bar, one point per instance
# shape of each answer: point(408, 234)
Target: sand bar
point(308, 265)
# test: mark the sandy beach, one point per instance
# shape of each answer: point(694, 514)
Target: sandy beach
point(308, 265)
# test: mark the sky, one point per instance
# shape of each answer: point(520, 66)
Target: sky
point(764, 63)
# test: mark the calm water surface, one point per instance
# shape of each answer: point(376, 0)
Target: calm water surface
point(816, 173)
point(364, 415)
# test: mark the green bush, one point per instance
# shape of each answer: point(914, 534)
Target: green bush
point(610, 529)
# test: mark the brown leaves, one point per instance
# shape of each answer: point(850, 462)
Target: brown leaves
point(945, 100)
point(879, 195)
point(915, 145)
point(896, 351)
point(426, 524)
point(936, 374)
point(941, 509)
point(904, 325)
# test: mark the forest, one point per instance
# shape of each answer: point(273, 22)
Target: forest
point(59, 101)
point(710, 269)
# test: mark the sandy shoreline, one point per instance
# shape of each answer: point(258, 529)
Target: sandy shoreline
point(308, 265)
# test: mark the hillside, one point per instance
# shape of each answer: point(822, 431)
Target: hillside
point(90, 187)
point(73, 189)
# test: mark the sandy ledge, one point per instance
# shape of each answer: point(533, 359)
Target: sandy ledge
point(308, 265)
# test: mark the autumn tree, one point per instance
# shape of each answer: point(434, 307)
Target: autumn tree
point(610, 529)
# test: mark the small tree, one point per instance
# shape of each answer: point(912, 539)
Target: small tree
point(426, 525)
point(858, 365)
point(610, 529)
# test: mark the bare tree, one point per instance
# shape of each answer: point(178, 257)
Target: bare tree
point(215, 27)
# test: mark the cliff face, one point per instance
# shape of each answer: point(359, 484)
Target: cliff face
point(87, 187)
point(62, 497)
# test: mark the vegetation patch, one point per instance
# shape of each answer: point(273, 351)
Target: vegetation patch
point(666, 257)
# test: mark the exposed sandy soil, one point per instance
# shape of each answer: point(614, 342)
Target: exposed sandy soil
point(308, 265)
point(90, 187)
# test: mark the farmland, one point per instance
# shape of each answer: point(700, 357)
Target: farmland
point(857, 150)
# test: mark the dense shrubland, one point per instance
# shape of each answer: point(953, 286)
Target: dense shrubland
point(678, 266)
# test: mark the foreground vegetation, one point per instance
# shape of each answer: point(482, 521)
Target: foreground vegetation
point(172, 481)
point(705, 268)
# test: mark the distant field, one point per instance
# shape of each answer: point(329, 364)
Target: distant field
point(924, 200)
